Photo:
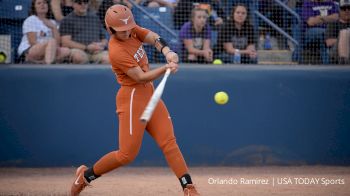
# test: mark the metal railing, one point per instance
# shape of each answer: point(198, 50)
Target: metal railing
point(170, 31)
point(276, 27)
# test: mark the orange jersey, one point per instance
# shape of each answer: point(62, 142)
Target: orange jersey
point(127, 54)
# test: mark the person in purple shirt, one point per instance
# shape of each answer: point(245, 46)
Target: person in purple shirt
point(195, 37)
point(316, 14)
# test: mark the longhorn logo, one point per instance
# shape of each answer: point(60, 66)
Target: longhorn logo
point(125, 20)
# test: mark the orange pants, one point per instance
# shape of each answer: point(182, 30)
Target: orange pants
point(131, 101)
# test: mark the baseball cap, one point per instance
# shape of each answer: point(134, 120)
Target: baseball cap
point(343, 3)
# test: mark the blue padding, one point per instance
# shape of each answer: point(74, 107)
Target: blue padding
point(289, 115)
point(12, 15)
point(14, 9)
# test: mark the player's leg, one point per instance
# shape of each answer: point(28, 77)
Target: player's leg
point(129, 145)
point(160, 127)
point(131, 132)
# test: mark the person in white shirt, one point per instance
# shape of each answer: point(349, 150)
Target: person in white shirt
point(41, 40)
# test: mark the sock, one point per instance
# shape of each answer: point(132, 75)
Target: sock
point(90, 175)
point(184, 180)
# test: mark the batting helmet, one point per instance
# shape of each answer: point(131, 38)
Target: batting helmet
point(119, 18)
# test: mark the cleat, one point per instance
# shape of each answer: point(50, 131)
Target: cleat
point(80, 182)
point(190, 190)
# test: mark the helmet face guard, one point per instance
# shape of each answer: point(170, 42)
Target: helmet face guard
point(119, 18)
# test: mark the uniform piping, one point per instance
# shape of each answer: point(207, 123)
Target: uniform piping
point(131, 100)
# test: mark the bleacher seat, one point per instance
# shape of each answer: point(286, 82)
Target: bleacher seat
point(163, 15)
point(12, 15)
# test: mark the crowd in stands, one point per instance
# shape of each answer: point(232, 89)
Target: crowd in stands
point(73, 31)
point(41, 40)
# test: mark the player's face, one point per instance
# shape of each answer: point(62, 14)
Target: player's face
point(200, 18)
point(123, 35)
point(41, 6)
point(240, 14)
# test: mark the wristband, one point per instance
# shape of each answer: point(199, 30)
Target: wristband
point(160, 44)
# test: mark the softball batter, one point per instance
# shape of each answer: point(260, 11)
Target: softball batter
point(130, 64)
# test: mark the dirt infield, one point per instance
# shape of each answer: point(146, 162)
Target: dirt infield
point(156, 181)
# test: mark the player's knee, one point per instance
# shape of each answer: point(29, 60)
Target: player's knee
point(126, 158)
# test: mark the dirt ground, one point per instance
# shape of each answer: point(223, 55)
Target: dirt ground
point(154, 181)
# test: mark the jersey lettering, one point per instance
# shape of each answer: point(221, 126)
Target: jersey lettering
point(139, 54)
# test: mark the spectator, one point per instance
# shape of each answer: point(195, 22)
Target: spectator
point(195, 37)
point(158, 3)
point(61, 8)
point(316, 14)
point(94, 5)
point(182, 12)
point(41, 39)
point(237, 35)
point(338, 35)
point(108, 3)
point(83, 33)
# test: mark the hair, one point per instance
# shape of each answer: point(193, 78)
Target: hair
point(194, 10)
point(33, 11)
point(247, 20)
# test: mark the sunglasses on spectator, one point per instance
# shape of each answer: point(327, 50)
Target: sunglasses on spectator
point(345, 8)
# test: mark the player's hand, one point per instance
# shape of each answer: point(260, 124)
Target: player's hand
point(172, 57)
point(172, 66)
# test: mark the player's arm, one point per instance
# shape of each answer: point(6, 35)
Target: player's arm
point(137, 74)
point(162, 46)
